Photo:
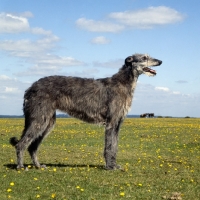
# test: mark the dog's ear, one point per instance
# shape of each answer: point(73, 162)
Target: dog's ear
point(128, 61)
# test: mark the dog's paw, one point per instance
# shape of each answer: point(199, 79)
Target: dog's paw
point(43, 166)
point(20, 167)
point(116, 167)
point(40, 166)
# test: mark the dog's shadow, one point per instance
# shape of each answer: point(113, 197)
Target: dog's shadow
point(58, 165)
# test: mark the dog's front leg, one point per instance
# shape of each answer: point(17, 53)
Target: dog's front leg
point(110, 150)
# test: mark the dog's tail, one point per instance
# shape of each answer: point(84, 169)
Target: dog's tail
point(13, 141)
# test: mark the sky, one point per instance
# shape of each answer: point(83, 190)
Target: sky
point(88, 38)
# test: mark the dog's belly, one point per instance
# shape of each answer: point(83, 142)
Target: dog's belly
point(85, 111)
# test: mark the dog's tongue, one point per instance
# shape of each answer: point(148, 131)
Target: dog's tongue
point(146, 69)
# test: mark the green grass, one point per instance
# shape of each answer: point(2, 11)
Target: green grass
point(158, 157)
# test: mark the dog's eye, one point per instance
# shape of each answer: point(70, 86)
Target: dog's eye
point(145, 57)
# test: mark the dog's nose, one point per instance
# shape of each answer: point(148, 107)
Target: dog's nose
point(160, 62)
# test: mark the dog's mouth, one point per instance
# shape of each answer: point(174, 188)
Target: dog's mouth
point(151, 71)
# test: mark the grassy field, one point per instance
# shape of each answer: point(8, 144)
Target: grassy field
point(160, 160)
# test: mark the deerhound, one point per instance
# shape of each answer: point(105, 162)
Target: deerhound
point(103, 101)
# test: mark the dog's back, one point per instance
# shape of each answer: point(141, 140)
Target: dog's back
point(79, 97)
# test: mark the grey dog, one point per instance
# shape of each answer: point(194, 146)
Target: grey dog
point(103, 101)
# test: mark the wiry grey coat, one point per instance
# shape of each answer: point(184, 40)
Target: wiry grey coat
point(102, 101)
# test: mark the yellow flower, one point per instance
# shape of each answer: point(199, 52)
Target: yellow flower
point(82, 189)
point(54, 169)
point(140, 184)
point(122, 194)
point(77, 187)
point(53, 195)
point(37, 196)
point(12, 183)
point(35, 179)
point(9, 190)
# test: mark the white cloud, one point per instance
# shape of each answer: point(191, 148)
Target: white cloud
point(49, 64)
point(11, 95)
point(139, 19)
point(13, 23)
point(10, 23)
point(149, 17)
point(4, 77)
point(11, 90)
point(24, 48)
point(98, 26)
point(35, 51)
point(8, 85)
point(176, 92)
point(165, 89)
point(60, 61)
point(100, 40)
point(40, 31)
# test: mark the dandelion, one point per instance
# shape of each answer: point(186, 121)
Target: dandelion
point(53, 195)
point(54, 169)
point(12, 184)
point(37, 196)
point(140, 184)
point(121, 194)
point(9, 190)
point(35, 179)
point(82, 189)
point(78, 187)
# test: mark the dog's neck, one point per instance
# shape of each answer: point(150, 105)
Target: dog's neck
point(127, 77)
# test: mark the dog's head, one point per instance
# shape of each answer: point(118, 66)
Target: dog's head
point(142, 63)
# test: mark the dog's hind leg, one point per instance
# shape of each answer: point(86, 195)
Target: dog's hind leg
point(33, 129)
point(35, 144)
point(111, 142)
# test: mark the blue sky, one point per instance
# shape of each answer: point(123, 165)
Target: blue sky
point(92, 38)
